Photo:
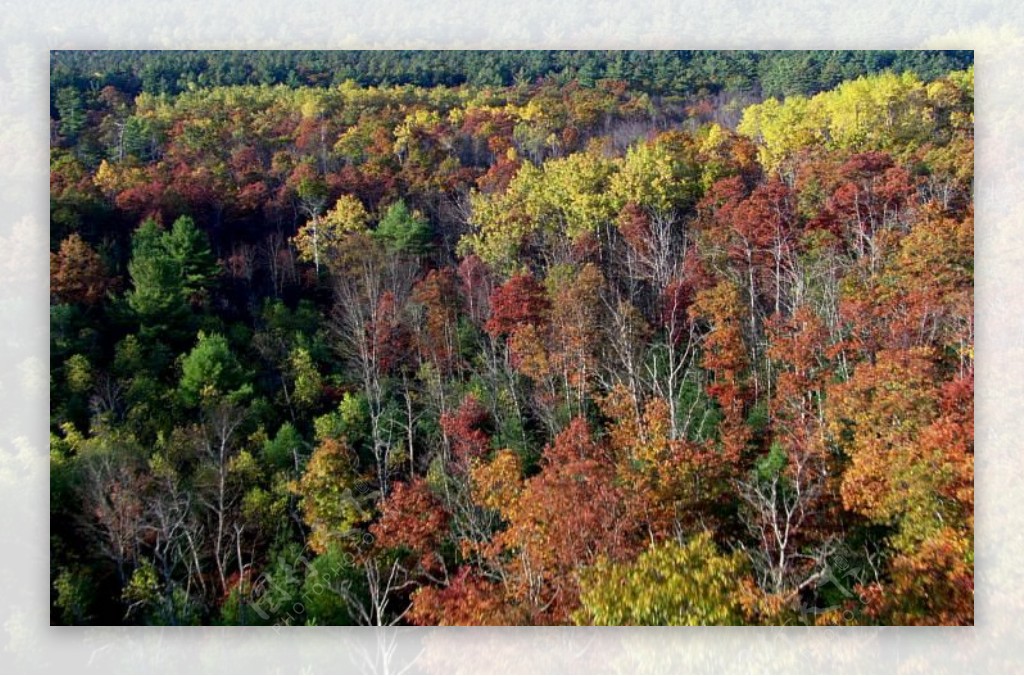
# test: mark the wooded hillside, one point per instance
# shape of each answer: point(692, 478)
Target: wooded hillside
point(512, 338)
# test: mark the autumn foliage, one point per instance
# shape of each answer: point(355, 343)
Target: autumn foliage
point(559, 352)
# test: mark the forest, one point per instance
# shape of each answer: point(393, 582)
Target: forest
point(512, 338)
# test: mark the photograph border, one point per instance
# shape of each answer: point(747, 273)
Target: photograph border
point(27, 643)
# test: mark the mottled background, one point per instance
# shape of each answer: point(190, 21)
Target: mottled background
point(29, 30)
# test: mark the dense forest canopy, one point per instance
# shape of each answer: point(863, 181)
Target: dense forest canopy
point(678, 73)
point(512, 337)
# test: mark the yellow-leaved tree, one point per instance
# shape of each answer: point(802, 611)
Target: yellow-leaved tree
point(322, 236)
point(669, 584)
